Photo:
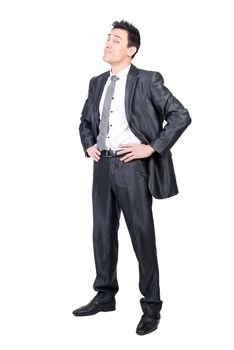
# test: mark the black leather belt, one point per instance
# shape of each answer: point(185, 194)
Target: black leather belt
point(109, 153)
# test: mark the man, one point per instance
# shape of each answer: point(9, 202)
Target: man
point(122, 130)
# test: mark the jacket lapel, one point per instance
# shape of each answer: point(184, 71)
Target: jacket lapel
point(130, 87)
point(99, 90)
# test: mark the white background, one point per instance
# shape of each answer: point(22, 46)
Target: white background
point(49, 51)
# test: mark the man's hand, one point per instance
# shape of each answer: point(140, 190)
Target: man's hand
point(94, 152)
point(135, 151)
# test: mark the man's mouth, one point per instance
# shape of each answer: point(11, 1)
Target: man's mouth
point(107, 51)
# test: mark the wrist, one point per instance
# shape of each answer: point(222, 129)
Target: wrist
point(151, 149)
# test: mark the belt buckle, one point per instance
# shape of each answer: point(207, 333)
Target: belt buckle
point(108, 153)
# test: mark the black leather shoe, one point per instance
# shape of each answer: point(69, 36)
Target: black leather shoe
point(148, 323)
point(94, 307)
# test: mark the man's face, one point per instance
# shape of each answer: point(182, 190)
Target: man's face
point(116, 48)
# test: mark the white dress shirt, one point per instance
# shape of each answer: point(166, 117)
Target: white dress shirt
point(119, 131)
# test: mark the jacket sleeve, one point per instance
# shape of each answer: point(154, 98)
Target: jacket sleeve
point(177, 118)
point(86, 134)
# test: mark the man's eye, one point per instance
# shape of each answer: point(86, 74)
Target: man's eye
point(116, 41)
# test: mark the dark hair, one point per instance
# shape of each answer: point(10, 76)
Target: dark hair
point(134, 38)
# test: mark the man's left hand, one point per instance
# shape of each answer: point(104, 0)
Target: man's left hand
point(135, 151)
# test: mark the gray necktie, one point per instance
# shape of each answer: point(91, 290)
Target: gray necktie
point(104, 124)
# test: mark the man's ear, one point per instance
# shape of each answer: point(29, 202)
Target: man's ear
point(131, 51)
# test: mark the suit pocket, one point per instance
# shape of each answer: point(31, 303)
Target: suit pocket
point(141, 168)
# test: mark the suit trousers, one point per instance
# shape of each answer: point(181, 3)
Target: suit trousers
point(122, 187)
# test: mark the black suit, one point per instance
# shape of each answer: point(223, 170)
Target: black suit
point(129, 186)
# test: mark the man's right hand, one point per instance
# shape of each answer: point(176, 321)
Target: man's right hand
point(94, 152)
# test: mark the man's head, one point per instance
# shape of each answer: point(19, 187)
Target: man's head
point(122, 43)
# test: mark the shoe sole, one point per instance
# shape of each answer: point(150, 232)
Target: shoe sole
point(108, 308)
point(152, 330)
point(104, 309)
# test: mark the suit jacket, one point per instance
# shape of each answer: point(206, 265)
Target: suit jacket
point(148, 104)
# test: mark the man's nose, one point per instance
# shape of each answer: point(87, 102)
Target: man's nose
point(108, 44)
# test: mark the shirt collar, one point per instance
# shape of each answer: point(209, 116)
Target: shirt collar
point(123, 73)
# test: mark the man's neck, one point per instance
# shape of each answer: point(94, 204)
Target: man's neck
point(115, 69)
